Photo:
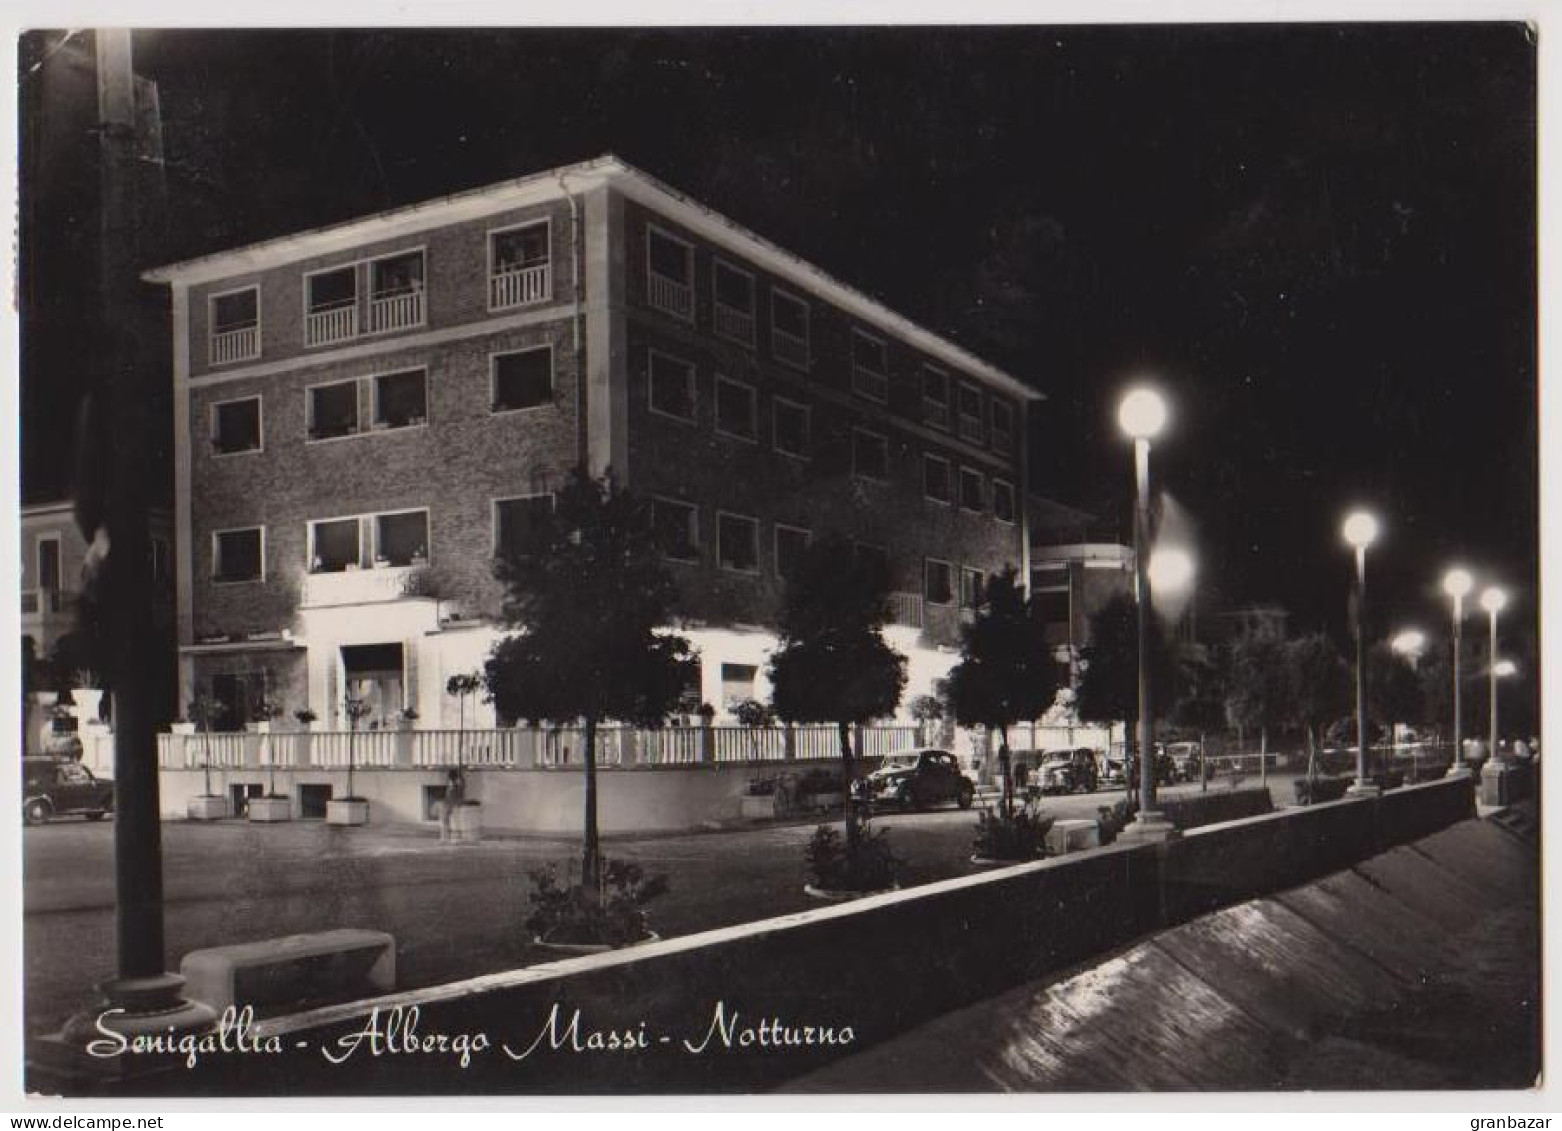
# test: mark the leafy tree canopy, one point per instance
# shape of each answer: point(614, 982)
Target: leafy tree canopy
point(1109, 684)
point(1006, 672)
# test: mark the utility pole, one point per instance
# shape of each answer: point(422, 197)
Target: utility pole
point(115, 444)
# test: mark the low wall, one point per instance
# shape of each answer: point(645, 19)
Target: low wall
point(541, 801)
point(1190, 810)
point(694, 1011)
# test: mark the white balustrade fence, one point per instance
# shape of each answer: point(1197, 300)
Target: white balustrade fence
point(235, 345)
point(331, 324)
point(521, 285)
point(395, 312)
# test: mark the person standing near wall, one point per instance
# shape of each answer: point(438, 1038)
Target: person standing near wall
point(455, 797)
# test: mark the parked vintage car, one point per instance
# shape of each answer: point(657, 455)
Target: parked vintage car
point(1068, 771)
point(919, 779)
point(56, 787)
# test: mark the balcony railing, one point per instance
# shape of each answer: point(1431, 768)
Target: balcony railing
point(361, 586)
point(523, 747)
point(395, 311)
point(870, 383)
point(906, 609)
point(738, 325)
point(671, 296)
point(789, 348)
point(331, 324)
point(235, 345)
point(519, 286)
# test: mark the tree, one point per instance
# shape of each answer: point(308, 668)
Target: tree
point(925, 709)
point(587, 596)
point(1006, 673)
point(463, 686)
point(1109, 681)
point(1256, 687)
point(832, 664)
point(1318, 688)
point(1394, 693)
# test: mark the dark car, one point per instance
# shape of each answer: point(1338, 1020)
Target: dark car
point(918, 779)
point(55, 787)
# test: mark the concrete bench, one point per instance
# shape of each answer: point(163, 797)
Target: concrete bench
point(1071, 836)
point(338, 965)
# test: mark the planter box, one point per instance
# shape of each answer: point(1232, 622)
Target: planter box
point(466, 824)
point(341, 811)
point(207, 808)
point(267, 810)
point(757, 808)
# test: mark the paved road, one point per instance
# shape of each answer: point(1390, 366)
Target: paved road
point(455, 911)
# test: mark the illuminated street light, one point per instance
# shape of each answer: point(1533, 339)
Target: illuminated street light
point(1493, 600)
point(1361, 530)
point(1504, 669)
point(1457, 583)
point(1142, 415)
point(1411, 643)
point(1171, 570)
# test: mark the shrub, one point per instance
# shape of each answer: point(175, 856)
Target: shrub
point(614, 915)
point(762, 787)
point(1020, 836)
point(834, 865)
point(1315, 790)
point(1113, 819)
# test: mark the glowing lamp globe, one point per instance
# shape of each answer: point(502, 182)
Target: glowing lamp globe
point(1409, 643)
point(1458, 582)
point(1142, 414)
point(1494, 600)
point(1505, 668)
point(1170, 569)
point(1360, 529)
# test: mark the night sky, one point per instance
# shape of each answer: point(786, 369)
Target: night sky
point(1320, 240)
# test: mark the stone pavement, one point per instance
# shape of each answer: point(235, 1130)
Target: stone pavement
point(1417, 969)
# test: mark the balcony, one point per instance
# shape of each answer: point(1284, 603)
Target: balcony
point(906, 609)
point(361, 586)
point(520, 286)
point(235, 345)
point(733, 324)
point(399, 311)
point(335, 323)
point(670, 296)
point(44, 602)
point(789, 348)
point(870, 383)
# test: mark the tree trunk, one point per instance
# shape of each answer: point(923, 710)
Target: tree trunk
point(1263, 755)
point(1003, 768)
point(1312, 754)
point(591, 857)
point(854, 815)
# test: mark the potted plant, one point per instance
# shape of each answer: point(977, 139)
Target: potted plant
point(836, 872)
point(1014, 838)
point(266, 711)
point(568, 919)
point(463, 687)
point(208, 806)
point(273, 806)
point(350, 809)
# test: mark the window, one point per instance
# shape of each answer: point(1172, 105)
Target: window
point(672, 386)
point(736, 414)
point(400, 399)
point(737, 542)
point(972, 496)
point(401, 539)
point(331, 306)
point(970, 405)
point(1003, 501)
point(789, 329)
point(396, 292)
point(669, 274)
point(331, 410)
point(398, 538)
point(972, 588)
point(520, 266)
point(677, 529)
point(1003, 427)
point(523, 379)
point(236, 426)
point(235, 326)
point(790, 427)
point(870, 455)
point(870, 367)
point(517, 523)
point(237, 555)
point(737, 683)
point(791, 544)
point(733, 311)
point(49, 564)
point(938, 583)
point(935, 397)
point(936, 483)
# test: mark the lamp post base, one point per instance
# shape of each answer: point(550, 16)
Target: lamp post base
point(140, 1006)
point(1458, 770)
point(1149, 827)
point(1361, 787)
point(1494, 782)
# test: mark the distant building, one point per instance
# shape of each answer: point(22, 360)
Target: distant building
point(365, 414)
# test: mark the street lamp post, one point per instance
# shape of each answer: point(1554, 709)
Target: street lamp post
point(1493, 601)
point(1361, 530)
point(1142, 414)
point(1456, 583)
